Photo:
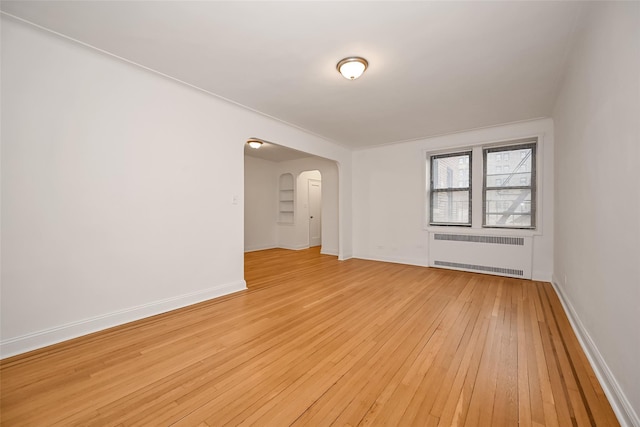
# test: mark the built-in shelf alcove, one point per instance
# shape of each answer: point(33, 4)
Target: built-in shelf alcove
point(286, 205)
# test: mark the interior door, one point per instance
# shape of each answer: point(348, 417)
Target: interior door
point(315, 209)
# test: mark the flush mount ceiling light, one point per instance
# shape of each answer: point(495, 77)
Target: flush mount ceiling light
point(353, 67)
point(254, 143)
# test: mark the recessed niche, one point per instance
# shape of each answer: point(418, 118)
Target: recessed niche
point(286, 205)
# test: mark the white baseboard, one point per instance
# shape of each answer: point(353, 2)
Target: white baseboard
point(33, 341)
point(627, 416)
point(395, 260)
point(294, 247)
point(329, 251)
point(323, 251)
point(259, 248)
point(541, 276)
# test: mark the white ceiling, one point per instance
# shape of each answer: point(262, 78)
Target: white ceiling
point(434, 67)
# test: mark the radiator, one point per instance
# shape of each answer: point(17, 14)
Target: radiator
point(499, 255)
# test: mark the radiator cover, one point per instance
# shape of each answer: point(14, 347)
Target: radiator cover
point(500, 255)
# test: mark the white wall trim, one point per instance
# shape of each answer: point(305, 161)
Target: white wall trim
point(294, 247)
point(541, 276)
point(323, 251)
point(627, 417)
point(329, 251)
point(344, 256)
point(259, 248)
point(36, 340)
point(396, 260)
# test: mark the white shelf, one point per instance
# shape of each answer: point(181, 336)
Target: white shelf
point(286, 210)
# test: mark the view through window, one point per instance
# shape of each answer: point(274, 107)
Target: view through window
point(451, 189)
point(509, 186)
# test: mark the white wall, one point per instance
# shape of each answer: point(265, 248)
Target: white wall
point(296, 235)
point(118, 188)
point(597, 246)
point(260, 204)
point(389, 195)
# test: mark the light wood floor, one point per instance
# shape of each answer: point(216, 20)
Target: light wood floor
point(316, 342)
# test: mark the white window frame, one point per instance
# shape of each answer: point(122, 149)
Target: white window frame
point(533, 144)
point(431, 191)
point(477, 147)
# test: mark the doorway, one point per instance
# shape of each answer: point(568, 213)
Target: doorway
point(277, 210)
point(309, 225)
point(315, 212)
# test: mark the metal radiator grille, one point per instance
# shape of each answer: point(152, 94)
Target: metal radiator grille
point(486, 268)
point(500, 240)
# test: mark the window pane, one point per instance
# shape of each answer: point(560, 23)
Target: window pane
point(450, 207)
point(508, 208)
point(511, 170)
point(513, 179)
point(450, 172)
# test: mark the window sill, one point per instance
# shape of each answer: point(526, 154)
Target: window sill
point(482, 231)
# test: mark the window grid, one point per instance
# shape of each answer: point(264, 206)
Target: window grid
point(524, 208)
point(465, 186)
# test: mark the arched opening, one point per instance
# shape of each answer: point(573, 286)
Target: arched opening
point(291, 200)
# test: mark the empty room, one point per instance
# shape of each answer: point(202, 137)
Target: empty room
point(320, 213)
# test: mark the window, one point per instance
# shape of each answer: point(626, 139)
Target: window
point(509, 201)
point(450, 189)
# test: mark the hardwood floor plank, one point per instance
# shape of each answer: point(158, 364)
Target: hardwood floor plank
point(598, 409)
point(315, 341)
point(505, 410)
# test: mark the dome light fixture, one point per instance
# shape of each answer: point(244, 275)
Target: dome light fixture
point(254, 143)
point(352, 67)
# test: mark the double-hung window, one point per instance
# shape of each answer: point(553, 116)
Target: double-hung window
point(509, 193)
point(450, 189)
